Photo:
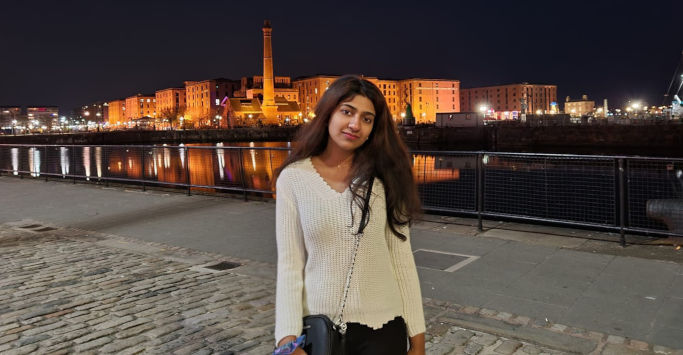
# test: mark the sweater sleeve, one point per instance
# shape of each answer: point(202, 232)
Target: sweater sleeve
point(406, 274)
point(291, 258)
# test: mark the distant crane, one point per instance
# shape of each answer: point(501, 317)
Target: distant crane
point(671, 96)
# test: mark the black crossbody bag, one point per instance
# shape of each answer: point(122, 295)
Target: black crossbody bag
point(324, 337)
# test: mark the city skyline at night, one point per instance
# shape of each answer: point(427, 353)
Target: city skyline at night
point(68, 54)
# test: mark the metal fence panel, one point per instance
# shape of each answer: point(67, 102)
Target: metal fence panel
point(446, 181)
point(650, 180)
point(551, 187)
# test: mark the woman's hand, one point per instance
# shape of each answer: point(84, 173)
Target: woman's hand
point(287, 339)
point(417, 345)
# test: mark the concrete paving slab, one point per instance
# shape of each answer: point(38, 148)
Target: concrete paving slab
point(627, 316)
point(518, 252)
point(635, 277)
point(446, 242)
point(491, 274)
point(670, 314)
point(535, 290)
point(666, 336)
point(529, 307)
point(536, 238)
point(677, 285)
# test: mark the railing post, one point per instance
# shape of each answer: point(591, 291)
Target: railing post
point(244, 181)
point(19, 166)
point(270, 159)
point(72, 163)
point(480, 191)
point(46, 164)
point(143, 168)
point(187, 170)
point(622, 202)
point(106, 179)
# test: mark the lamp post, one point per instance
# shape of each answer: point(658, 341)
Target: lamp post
point(483, 109)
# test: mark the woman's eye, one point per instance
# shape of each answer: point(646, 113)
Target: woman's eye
point(346, 112)
point(368, 120)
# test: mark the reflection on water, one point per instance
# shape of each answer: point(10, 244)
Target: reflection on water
point(14, 153)
point(220, 153)
point(429, 169)
point(64, 160)
point(98, 161)
point(86, 162)
point(34, 162)
point(205, 165)
point(181, 152)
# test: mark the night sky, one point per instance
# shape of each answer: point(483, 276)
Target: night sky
point(70, 53)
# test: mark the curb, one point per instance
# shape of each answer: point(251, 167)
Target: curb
point(552, 335)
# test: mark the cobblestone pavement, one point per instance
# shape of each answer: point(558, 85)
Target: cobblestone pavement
point(72, 291)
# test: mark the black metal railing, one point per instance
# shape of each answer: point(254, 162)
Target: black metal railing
point(611, 192)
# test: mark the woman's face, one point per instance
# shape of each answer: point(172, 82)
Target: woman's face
point(351, 123)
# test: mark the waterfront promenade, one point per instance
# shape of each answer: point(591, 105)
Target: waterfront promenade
point(86, 268)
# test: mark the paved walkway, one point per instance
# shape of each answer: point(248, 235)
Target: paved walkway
point(67, 291)
point(87, 270)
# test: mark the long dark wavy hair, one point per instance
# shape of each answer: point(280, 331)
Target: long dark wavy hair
point(383, 155)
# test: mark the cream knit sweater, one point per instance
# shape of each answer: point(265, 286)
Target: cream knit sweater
point(315, 239)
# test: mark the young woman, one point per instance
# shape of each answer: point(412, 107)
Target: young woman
point(320, 198)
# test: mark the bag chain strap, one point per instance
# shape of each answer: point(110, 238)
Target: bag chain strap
point(340, 323)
